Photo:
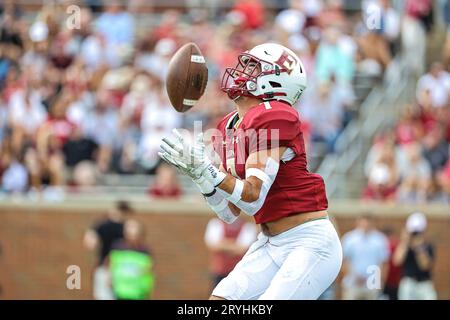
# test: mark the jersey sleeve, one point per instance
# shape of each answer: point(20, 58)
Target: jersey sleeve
point(272, 129)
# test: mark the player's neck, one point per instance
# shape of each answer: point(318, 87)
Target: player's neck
point(243, 104)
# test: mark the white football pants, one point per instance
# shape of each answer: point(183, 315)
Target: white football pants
point(298, 264)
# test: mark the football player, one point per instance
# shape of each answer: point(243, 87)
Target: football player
point(263, 173)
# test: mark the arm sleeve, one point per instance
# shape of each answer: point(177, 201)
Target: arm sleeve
point(267, 176)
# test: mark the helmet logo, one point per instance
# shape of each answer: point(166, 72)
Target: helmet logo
point(288, 61)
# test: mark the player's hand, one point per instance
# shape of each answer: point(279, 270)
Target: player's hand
point(190, 158)
point(172, 151)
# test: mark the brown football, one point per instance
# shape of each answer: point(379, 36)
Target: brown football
point(187, 77)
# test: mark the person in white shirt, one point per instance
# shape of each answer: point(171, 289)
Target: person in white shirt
point(433, 88)
point(15, 178)
point(27, 111)
point(293, 19)
point(227, 244)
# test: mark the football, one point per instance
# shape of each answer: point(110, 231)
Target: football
point(187, 77)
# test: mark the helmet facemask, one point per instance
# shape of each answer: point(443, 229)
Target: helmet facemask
point(243, 79)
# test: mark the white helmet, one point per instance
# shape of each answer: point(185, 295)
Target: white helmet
point(268, 71)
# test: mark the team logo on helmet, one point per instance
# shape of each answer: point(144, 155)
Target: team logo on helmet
point(287, 61)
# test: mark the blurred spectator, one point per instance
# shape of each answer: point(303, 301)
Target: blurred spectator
point(101, 237)
point(387, 23)
point(251, 12)
point(373, 54)
point(364, 248)
point(154, 129)
point(293, 19)
point(433, 88)
point(335, 57)
point(325, 113)
point(382, 172)
point(94, 51)
point(100, 126)
point(27, 114)
point(443, 178)
point(3, 120)
point(416, 256)
point(332, 14)
point(78, 148)
point(166, 184)
point(435, 148)
point(390, 23)
point(117, 26)
point(379, 186)
point(131, 113)
point(415, 174)
point(409, 128)
point(84, 174)
point(131, 264)
point(445, 10)
point(394, 272)
point(116, 23)
point(382, 150)
point(156, 62)
point(382, 28)
point(415, 24)
point(227, 244)
point(15, 177)
point(168, 25)
point(51, 137)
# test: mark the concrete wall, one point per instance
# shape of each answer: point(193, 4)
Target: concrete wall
point(39, 242)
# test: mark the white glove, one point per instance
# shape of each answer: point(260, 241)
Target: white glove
point(191, 160)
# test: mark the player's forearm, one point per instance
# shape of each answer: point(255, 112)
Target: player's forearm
point(251, 187)
point(218, 202)
point(251, 200)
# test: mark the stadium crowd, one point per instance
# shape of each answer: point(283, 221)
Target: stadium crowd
point(410, 163)
point(82, 96)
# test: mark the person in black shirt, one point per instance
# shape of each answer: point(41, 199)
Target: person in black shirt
point(79, 148)
point(101, 237)
point(416, 257)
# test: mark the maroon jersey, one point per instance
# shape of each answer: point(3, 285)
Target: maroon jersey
point(266, 126)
